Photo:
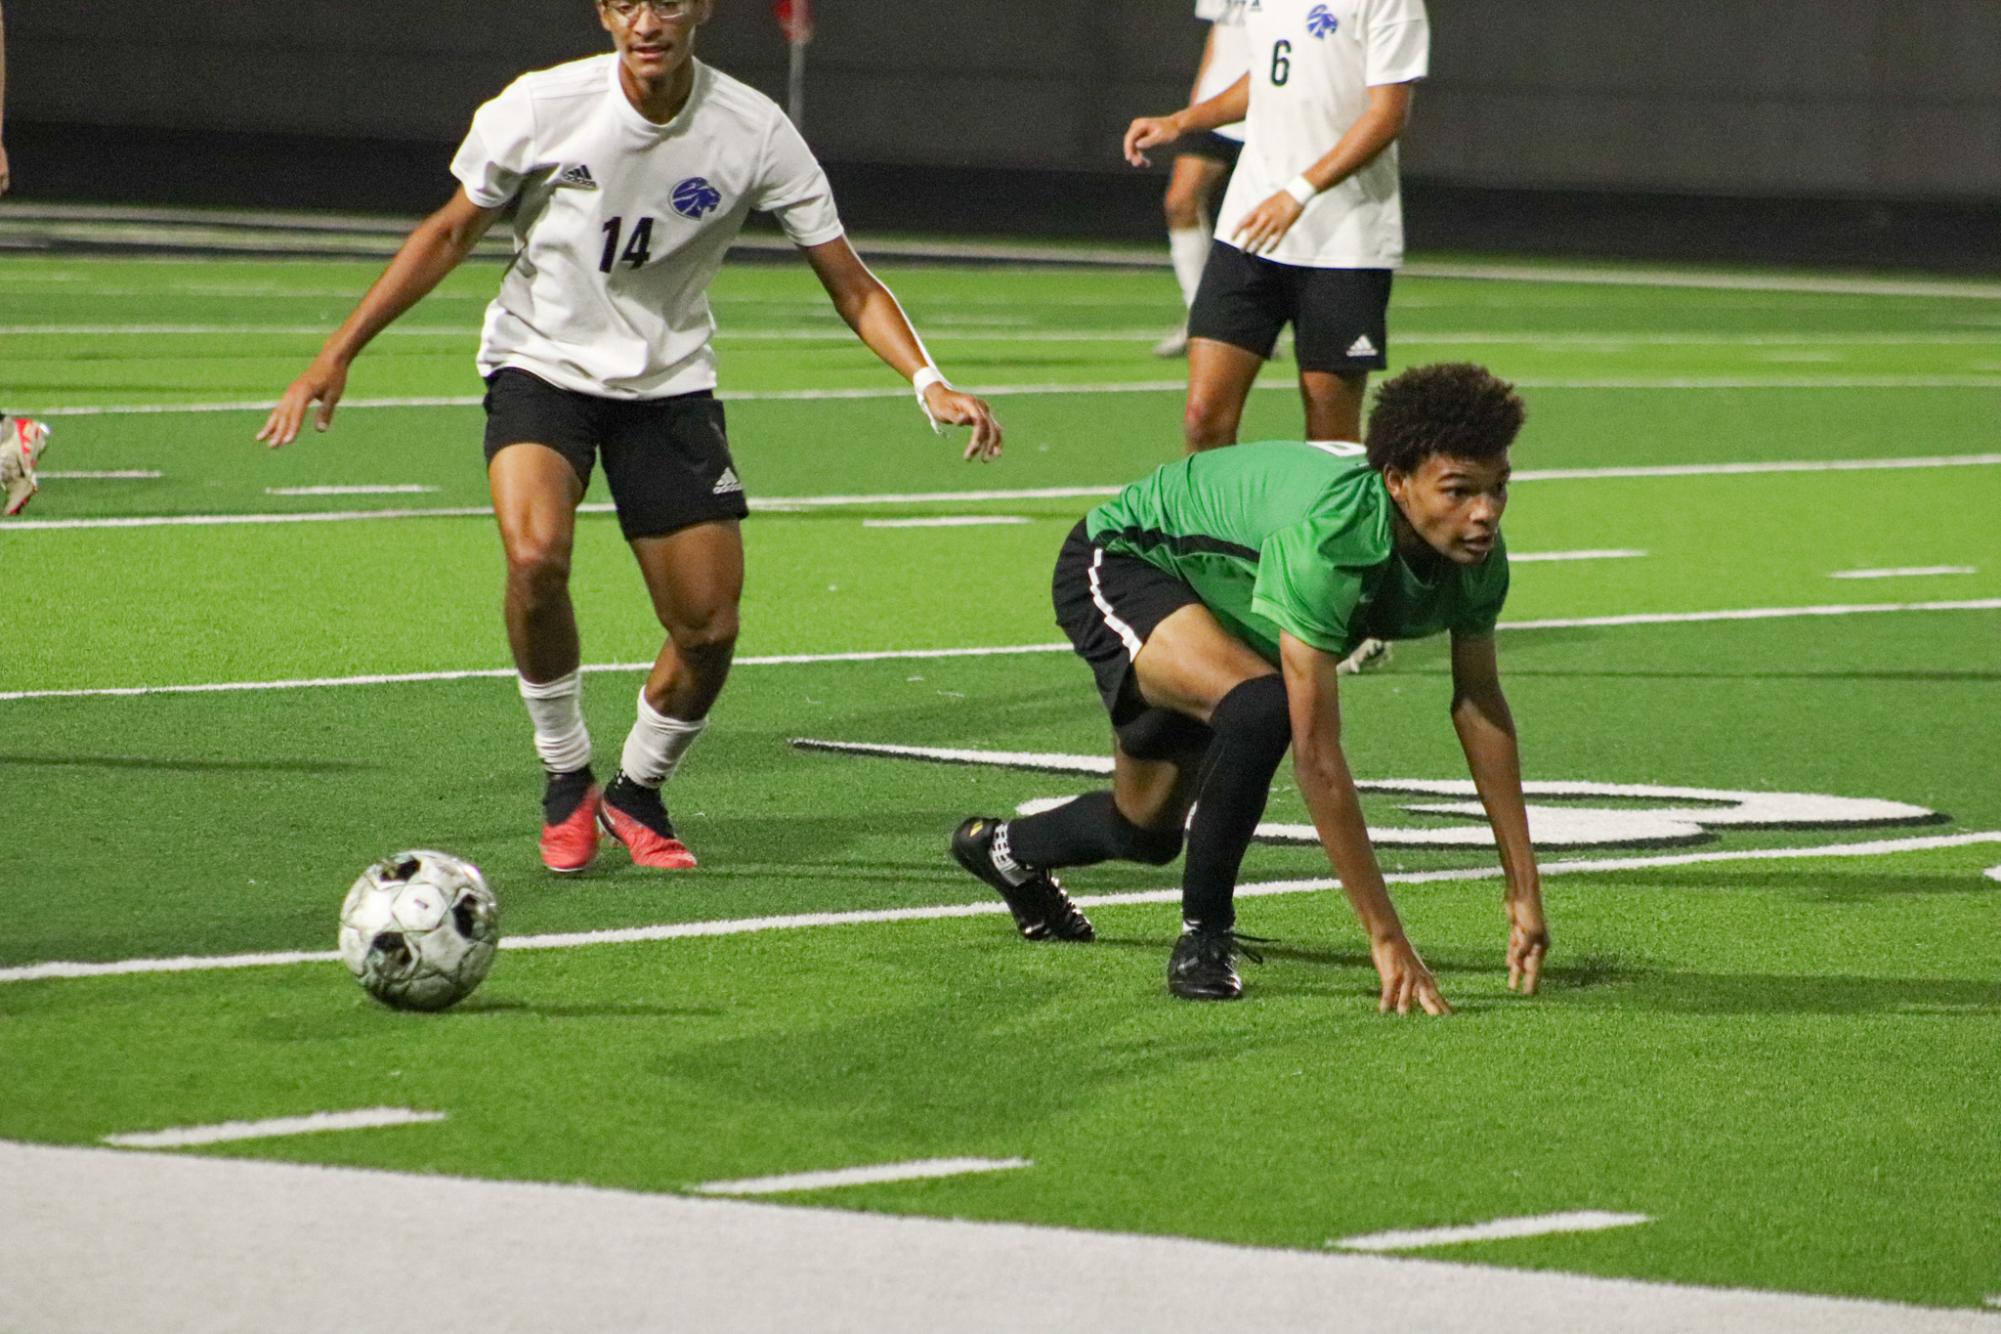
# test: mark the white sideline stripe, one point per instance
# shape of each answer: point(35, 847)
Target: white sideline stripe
point(633, 935)
point(948, 521)
point(898, 655)
point(1530, 557)
point(919, 1170)
point(368, 1118)
point(390, 489)
point(104, 1240)
point(1902, 571)
point(498, 673)
point(785, 503)
point(972, 330)
point(1993, 873)
point(1749, 614)
point(1099, 387)
point(119, 475)
point(1500, 1229)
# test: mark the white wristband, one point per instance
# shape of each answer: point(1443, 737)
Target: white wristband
point(1301, 189)
point(928, 375)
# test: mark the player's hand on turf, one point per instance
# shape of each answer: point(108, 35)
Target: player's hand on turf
point(951, 407)
point(1528, 943)
point(1149, 132)
point(323, 384)
point(1266, 225)
point(1406, 981)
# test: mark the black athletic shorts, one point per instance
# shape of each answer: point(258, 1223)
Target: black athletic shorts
point(667, 460)
point(1338, 316)
point(1109, 605)
point(1212, 146)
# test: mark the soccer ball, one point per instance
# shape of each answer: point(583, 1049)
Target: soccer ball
point(419, 930)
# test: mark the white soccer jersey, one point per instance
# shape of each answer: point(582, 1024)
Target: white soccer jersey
point(1312, 64)
point(1229, 54)
point(620, 224)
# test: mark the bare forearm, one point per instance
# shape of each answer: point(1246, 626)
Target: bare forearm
point(1225, 108)
point(1493, 757)
point(1364, 142)
point(430, 253)
point(1329, 789)
point(878, 320)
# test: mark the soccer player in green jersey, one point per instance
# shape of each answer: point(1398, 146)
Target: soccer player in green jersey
point(1214, 601)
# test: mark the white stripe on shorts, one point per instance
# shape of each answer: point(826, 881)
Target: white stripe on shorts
point(1117, 626)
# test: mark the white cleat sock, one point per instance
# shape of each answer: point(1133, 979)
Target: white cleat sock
point(1189, 248)
point(557, 710)
point(654, 747)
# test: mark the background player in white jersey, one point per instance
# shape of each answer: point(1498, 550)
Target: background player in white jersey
point(1311, 227)
point(626, 177)
point(1203, 160)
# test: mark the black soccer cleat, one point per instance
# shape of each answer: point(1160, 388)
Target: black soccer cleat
point(1204, 965)
point(1042, 911)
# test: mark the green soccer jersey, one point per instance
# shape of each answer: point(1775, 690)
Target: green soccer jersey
point(1291, 536)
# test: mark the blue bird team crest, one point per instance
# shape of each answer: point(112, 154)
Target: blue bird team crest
point(1320, 21)
point(695, 198)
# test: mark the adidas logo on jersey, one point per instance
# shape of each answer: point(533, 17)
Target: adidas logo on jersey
point(578, 177)
point(726, 483)
point(1362, 347)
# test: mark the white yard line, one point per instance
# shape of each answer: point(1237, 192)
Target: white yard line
point(920, 1170)
point(104, 1240)
point(1500, 1229)
point(1903, 572)
point(968, 329)
point(1532, 557)
point(387, 489)
point(185, 1137)
point(113, 475)
point(1886, 847)
point(897, 655)
point(781, 504)
point(948, 521)
point(1273, 383)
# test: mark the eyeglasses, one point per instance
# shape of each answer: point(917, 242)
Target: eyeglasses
point(668, 11)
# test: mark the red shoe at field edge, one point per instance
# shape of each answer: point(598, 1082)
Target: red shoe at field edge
point(569, 846)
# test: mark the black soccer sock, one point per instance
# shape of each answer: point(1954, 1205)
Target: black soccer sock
point(1085, 832)
point(1252, 728)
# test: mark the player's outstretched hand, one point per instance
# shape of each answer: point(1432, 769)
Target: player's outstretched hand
point(1148, 132)
point(323, 384)
point(951, 407)
point(1266, 225)
point(1406, 981)
point(1528, 944)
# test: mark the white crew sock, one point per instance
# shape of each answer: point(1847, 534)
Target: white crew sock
point(557, 710)
point(1190, 248)
point(654, 747)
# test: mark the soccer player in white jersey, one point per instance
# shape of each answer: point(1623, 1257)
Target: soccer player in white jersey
point(1311, 228)
point(626, 177)
point(1202, 160)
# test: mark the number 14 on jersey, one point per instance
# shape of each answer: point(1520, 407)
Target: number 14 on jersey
point(638, 247)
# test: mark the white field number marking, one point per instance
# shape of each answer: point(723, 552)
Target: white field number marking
point(920, 1170)
point(185, 1137)
point(1500, 1229)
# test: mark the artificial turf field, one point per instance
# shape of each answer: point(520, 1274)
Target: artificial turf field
point(1786, 1063)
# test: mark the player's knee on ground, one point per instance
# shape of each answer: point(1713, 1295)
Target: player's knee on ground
point(1155, 847)
point(1163, 734)
point(1254, 722)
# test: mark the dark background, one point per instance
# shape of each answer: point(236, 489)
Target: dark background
point(1851, 131)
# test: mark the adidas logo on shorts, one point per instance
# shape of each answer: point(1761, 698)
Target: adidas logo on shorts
point(726, 483)
point(578, 177)
point(1362, 347)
